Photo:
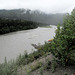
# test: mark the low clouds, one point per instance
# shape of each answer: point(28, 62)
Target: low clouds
point(49, 6)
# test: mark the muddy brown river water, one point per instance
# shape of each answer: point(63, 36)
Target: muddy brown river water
point(12, 44)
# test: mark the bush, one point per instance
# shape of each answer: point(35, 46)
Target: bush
point(63, 45)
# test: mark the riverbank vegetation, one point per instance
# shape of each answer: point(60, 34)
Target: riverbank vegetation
point(11, 67)
point(62, 50)
point(11, 25)
point(63, 45)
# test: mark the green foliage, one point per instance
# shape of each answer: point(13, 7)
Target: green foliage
point(22, 59)
point(48, 66)
point(63, 45)
point(45, 48)
point(41, 71)
point(65, 73)
point(11, 25)
point(54, 65)
point(35, 67)
point(8, 68)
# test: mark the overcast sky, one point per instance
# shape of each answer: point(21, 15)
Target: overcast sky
point(49, 6)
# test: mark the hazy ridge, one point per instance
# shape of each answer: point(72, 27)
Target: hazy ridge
point(33, 15)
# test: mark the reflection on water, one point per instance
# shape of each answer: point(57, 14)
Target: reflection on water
point(12, 44)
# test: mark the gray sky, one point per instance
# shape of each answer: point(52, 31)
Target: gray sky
point(49, 6)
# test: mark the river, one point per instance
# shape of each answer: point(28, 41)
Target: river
point(12, 44)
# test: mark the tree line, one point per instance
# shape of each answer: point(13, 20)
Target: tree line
point(33, 15)
point(10, 25)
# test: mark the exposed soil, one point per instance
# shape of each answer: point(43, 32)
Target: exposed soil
point(26, 70)
point(59, 71)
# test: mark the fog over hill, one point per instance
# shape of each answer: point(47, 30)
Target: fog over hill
point(32, 15)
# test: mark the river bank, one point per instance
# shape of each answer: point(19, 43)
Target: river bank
point(40, 62)
point(13, 44)
point(11, 67)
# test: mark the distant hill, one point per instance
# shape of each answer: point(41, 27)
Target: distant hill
point(37, 16)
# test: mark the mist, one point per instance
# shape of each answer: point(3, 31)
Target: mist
point(47, 6)
point(35, 16)
point(42, 11)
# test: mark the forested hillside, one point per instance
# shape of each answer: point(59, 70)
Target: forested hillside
point(32, 15)
point(10, 25)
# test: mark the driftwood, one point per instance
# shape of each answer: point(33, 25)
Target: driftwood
point(36, 46)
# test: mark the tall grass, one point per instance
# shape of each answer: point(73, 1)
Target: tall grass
point(8, 68)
